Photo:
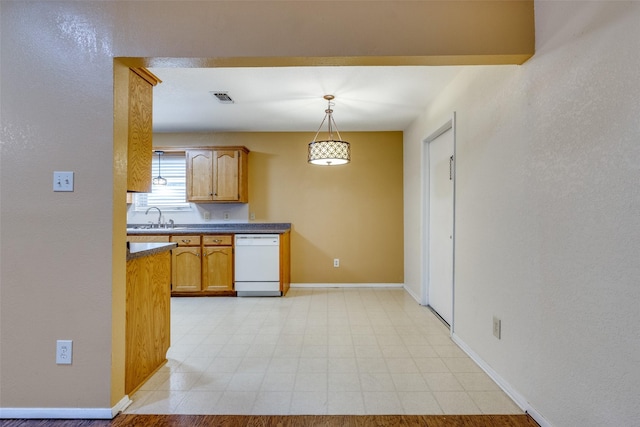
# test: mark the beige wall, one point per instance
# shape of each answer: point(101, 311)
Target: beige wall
point(351, 212)
point(61, 254)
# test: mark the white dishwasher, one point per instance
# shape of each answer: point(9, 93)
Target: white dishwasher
point(257, 265)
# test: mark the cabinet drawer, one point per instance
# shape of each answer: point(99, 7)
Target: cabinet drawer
point(186, 240)
point(217, 240)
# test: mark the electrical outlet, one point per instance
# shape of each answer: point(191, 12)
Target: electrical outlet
point(225, 216)
point(252, 216)
point(63, 181)
point(207, 215)
point(497, 327)
point(336, 262)
point(64, 352)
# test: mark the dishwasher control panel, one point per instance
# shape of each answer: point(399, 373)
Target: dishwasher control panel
point(257, 240)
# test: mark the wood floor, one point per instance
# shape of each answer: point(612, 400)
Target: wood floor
point(123, 420)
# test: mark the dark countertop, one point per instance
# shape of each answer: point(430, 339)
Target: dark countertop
point(138, 250)
point(231, 228)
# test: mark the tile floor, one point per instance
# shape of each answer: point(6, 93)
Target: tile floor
point(316, 351)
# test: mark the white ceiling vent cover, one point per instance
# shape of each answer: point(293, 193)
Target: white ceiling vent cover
point(223, 97)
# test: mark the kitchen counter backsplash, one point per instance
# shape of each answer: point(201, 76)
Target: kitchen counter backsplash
point(244, 227)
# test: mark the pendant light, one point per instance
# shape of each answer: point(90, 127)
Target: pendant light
point(159, 180)
point(329, 152)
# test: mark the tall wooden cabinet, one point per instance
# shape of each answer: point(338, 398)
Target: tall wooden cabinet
point(139, 151)
point(217, 175)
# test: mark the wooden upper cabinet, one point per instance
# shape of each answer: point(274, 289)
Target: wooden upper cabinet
point(199, 175)
point(140, 130)
point(217, 175)
point(226, 167)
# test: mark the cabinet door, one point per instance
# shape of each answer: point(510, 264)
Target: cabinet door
point(140, 134)
point(217, 268)
point(226, 169)
point(199, 175)
point(185, 269)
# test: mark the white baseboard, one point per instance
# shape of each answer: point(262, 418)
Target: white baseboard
point(410, 292)
point(538, 418)
point(121, 406)
point(347, 285)
point(505, 386)
point(65, 413)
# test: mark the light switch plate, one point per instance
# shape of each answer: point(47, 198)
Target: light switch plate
point(63, 181)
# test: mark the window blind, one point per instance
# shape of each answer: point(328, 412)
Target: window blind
point(172, 196)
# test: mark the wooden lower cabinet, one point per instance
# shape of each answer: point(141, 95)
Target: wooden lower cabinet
point(217, 268)
point(202, 265)
point(185, 269)
point(285, 262)
point(147, 318)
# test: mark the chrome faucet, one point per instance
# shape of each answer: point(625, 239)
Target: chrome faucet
point(159, 215)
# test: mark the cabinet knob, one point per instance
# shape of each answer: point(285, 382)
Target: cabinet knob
point(186, 240)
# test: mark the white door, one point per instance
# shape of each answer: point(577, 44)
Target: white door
point(441, 175)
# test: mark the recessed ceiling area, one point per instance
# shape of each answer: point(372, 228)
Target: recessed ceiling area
point(281, 99)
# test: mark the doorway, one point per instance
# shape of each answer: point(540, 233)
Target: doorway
point(439, 194)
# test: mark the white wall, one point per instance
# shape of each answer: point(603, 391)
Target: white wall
point(548, 210)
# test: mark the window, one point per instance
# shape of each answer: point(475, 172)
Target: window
point(170, 197)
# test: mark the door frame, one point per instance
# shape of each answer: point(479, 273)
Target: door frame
point(448, 125)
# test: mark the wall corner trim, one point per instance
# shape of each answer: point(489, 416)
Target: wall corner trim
point(66, 413)
point(519, 400)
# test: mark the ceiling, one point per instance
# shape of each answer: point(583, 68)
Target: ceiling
point(381, 98)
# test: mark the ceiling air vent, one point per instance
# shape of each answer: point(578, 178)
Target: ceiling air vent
point(223, 97)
